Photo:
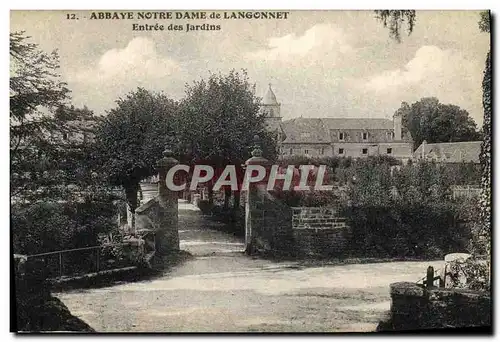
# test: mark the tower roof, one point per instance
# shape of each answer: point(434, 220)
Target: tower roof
point(269, 98)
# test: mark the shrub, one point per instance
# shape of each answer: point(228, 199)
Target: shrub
point(405, 229)
point(205, 207)
point(45, 227)
point(408, 214)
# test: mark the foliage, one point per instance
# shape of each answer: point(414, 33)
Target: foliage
point(394, 20)
point(485, 21)
point(404, 210)
point(416, 220)
point(57, 203)
point(34, 88)
point(49, 226)
point(435, 122)
point(42, 164)
point(71, 113)
point(130, 140)
point(205, 206)
point(219, 119)
point(484, 227)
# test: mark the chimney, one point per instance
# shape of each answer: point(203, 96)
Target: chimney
point(397, 121)
point(423, 149)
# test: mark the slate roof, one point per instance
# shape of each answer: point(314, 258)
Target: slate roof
point(269, 98)
point(317, 130)
point(355, 123)
point(454, 152)
point(301, 130)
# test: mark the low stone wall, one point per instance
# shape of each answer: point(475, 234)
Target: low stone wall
point(268, 224)
point(416, 308)
point(317, 218)
point(319, 231)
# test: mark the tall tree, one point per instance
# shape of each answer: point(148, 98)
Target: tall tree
point(435, 122)
point(219, 119)
point(42, 165)
point(130, 140)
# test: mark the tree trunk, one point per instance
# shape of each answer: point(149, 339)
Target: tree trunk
point(236, 203)
point(227, 197)
point(211, 194)
point(132, 203)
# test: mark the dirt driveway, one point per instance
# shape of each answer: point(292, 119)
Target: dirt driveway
point(222, 290)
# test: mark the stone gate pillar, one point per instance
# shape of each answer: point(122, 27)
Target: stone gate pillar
point(167, 236)
point(254, 209)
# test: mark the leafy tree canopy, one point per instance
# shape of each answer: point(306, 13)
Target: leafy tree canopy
point(219, 119)
point(434, 122)
point(131, 138)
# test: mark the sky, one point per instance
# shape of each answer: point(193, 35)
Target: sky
point(320, 63)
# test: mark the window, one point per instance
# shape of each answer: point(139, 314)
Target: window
point(341, 136)
point(341, 151)
point(65, 136)
point(390, 135)
point(365, 151)
point(389, 151)
point(306, 151)
point(365, 135)
point(322, 151)
point(291, 151)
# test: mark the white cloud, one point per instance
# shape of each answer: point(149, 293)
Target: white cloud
point(138, 60)
point(428, 61)
point(121, 70)
point(430, 64)
point(322, 41)
point(445, 74)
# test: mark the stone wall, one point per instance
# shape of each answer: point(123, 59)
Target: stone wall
point(319, 231)
point(268, 223)
point(415, 308)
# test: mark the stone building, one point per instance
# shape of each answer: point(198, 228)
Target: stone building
point(452, 152)
point(342, 137)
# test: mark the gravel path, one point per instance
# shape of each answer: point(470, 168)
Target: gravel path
point(222, 290)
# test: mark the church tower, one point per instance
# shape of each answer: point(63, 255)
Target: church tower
point(271, 109)
point(270, 106)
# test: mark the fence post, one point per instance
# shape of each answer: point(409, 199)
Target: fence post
point(60, 265)
point(430, 277)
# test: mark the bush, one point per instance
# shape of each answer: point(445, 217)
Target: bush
point(205, 207)
point(45, 227)
point(428, 230)
point(408, 214)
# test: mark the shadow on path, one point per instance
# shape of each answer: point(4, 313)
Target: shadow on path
point(201, 236)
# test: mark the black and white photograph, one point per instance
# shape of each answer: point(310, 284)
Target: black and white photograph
point(250, 171)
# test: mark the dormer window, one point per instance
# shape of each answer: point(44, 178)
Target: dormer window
point(365, 135)
point(341, 136)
